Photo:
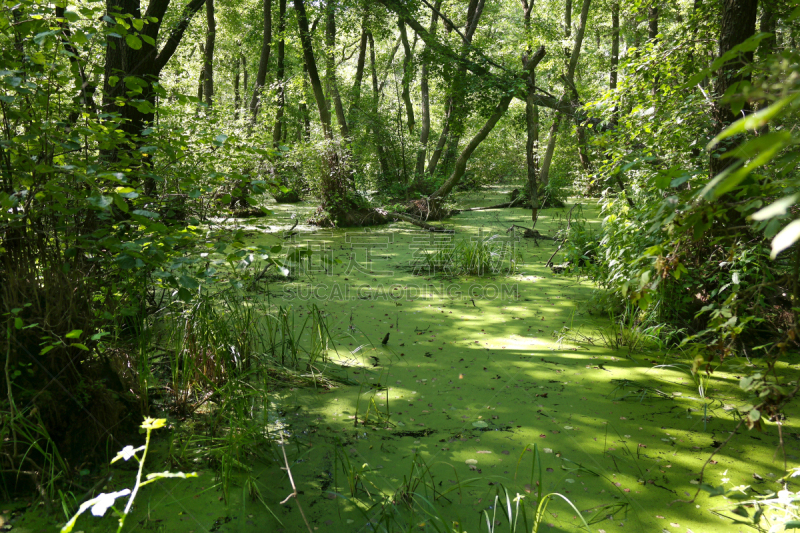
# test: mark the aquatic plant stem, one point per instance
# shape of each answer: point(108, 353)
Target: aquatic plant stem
point(138, 481)
point(282, 444)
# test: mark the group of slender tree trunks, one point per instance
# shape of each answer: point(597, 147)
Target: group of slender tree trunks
point(450, 154)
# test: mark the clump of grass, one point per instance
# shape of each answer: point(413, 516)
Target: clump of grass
point(493, 255)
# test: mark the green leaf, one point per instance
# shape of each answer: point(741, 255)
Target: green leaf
point(46, 349)
point(18, 323)
point(42, 37)
point(759, 144)
point(100, 201)
point(120, 203)
point(138, 24)
point(775, 209)
point(220, 139)
point(145, 213)
point(189, 282)
point(71, 16)
point(81, 346)
point(754, 121)
point(785, 238)
point(133, 41)
point(75, 334)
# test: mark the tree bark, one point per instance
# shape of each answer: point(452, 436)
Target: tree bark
point(408, 73)
point(544, 172)
point(531, 116)
point(738, 24)
point(355, 91)
point(652, 22)
point(380, 147)
point(311, 66)
point(201, 82)
point(277, 130)
point(612, 84)
point(306, 128)
point(330, 68)
point(263, 61)
point(237, 95)
point(424, 90)
point(208, 58)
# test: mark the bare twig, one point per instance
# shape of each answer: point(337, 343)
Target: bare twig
point(566, 236)
point(294, 488)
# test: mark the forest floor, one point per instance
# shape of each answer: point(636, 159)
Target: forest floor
point(475, 371)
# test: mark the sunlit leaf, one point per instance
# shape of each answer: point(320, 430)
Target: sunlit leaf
point(785, 238)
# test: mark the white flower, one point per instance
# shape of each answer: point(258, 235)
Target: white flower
point(785, 497)
point(127, 452)
point(106, 500)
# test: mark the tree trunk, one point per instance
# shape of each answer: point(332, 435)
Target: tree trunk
point(355, 91)
point(612, 84)
point(335, 180)
point(311, 67)
point(531, 117)
point(245, 75)
point(330, 68)
point(652, 22)
point(208, 58)
point(767, 24)
point(544, 172)
point(407, 75)
point(461, 162)
point(380, 146)
point(458, 112)
point(278, 128)
point(738, 24)
point(425, 129)
point(237, 95)
point(263, 62)
point(144, 63)
point(201, 81)
point(306, 129)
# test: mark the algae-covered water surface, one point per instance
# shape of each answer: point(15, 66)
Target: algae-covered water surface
point(459, 386)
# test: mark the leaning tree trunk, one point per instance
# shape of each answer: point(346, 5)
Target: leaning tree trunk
point(544, 172)
point(457, 103)
point(461, 162)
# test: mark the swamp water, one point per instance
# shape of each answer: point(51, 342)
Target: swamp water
point(475, 370)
